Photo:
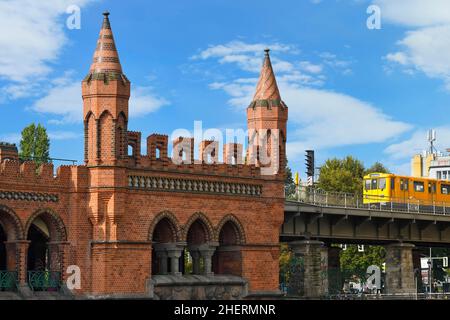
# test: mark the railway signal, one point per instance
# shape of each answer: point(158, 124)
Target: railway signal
point(310, 166)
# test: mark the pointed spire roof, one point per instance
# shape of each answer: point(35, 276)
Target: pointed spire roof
point(106, 57)
point(267, 88)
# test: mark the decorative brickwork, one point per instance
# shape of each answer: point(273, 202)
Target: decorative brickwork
point(126, 220)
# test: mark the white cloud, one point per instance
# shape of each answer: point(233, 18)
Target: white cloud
point(321, 119)
point(327, 119)
point(143, 101)
point(32, 36)
point(415, 13)
point(425, 47)
point(418, 142)
point(64, 100)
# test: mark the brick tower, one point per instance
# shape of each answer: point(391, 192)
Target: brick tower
point(106, 91)
point(267, 117)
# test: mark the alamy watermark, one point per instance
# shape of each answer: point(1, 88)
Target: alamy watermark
point(263, 147)
point(73, 21)
point(374, 20)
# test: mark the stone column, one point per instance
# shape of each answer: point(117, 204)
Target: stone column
point(308, 280)
point(174, 252)
point(161, 255)
point(195, 260)
point(334, 270)
point(206, 253)
point(399, 269)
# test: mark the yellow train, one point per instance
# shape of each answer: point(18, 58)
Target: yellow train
point(391, 188)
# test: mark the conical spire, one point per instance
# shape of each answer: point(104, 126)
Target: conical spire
point(106, 57)
point(267, 88)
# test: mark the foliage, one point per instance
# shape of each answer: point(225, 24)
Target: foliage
point(285, 258)
point(342, 175)
point(346, 175)
point(355, 263)
point(35, 144)
point(289, 184)
point(187, 262)
point(377, 167)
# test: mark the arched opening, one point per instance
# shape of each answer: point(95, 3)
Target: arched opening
point(158, 153)
point(199, 250)
point(228, 259)
point(130, 150)
point(106, 136)
point(10, 230)
point(165, 251)
point(45, 233)
point(38, 256)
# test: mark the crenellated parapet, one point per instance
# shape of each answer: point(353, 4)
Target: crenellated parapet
point(157, 146)
point(8, 151)
point(31, 174)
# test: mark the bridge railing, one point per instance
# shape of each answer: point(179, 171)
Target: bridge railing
point(316, 196)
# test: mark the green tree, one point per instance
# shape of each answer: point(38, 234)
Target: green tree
point(346, 175)
point(377, 167)
point(355, 263)
point(35, 144)
point(342, 175)
point(289, 184)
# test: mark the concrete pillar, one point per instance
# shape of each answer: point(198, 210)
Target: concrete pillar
point(334, 270)
point(308, 281)
point(399, 269)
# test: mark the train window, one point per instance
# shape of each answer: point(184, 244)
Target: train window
point(367, 184)
point(431, 187)
point(404, 184)
point(445, 189)
point(382, 183)
point(419, 186)
point(374, 184)
point(392, 183)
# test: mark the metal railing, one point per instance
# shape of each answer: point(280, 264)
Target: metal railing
point(323, 198)
point(8, 280)
point(44, 280)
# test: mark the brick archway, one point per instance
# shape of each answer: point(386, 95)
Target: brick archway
point(53, 221)
point(203, 221)
point(228, 257)
point(238, 228)
point(173, 224)
point(11, 224)
point(11, 231)
point(47, 250)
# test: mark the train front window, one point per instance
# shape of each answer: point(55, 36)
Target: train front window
point(374, 184)
point(367, 184)
point(382, 183)
point(419, 186)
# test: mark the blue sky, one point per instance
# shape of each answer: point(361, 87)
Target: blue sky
point(350, 90)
